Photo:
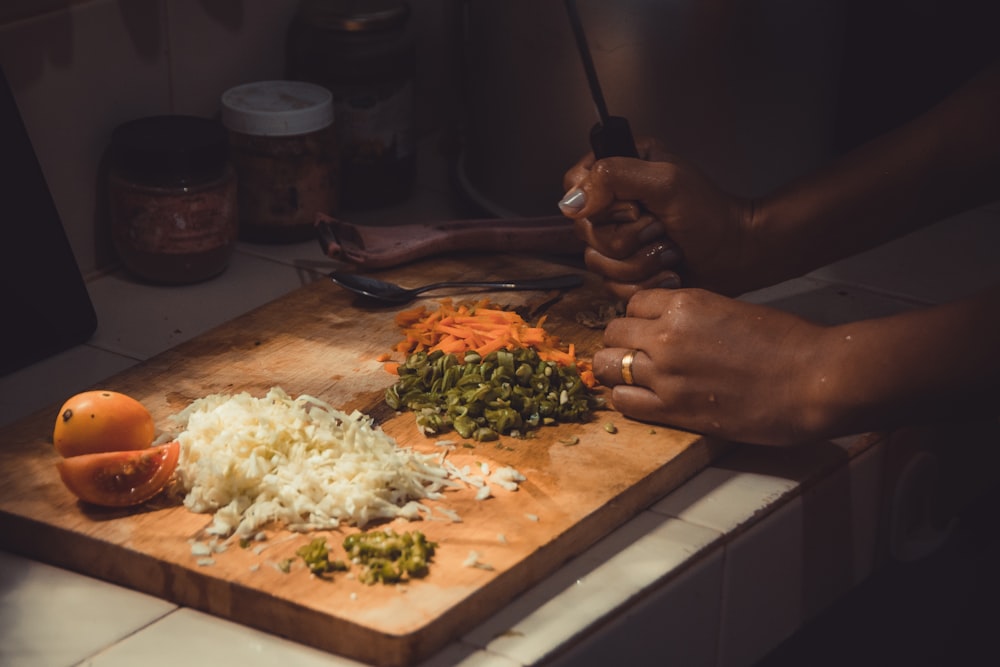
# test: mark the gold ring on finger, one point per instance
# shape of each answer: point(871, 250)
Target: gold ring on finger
point(627, 362)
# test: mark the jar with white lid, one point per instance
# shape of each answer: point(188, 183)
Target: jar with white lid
point(284, 148)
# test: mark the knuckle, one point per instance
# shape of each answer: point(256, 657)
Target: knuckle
point(623, 291)
point(683, 300)
point(601, 171)
point(584, 229)
point(604, 363)
point(619, 247)
point(613, 333)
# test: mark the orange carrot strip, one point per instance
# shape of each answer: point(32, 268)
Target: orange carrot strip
point(492, 346)
point(484, 328)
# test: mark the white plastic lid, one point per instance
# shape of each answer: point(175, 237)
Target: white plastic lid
point(277, 108)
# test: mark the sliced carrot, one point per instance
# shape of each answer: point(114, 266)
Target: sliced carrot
point(483, 328)
point(491, 346)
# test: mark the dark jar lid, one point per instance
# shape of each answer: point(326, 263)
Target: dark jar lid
point(356, 15)
point(170, 150)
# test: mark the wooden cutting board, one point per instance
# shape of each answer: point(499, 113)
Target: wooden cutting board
point(319, 340)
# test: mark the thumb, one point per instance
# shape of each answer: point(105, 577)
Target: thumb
point(616, 179)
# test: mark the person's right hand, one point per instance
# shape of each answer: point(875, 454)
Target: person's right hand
point(646, 220)
point(726, 368)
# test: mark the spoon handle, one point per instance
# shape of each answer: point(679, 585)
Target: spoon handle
point(552, 282)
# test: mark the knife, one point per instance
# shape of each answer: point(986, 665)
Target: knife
point(611, 136)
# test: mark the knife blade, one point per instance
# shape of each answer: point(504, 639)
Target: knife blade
point(612, 135)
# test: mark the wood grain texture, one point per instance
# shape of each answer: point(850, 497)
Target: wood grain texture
point(318, 340)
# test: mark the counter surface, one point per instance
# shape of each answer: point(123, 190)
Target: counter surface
point(683, 578)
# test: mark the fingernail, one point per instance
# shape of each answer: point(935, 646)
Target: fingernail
point(670, 282)
point(665, 253)
point(651, 232)
point(574, 200)
point(625, 212)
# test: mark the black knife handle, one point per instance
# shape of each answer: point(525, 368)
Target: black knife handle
point(613, 138)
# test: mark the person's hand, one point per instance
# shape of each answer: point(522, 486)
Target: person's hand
point(644, 220)
point(717, 366)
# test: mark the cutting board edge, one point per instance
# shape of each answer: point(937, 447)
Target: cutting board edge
point(258, 336)
point(289, 620)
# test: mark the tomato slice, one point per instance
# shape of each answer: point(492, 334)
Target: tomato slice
point(120, 479)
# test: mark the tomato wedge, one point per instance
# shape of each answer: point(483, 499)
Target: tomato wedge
point(120, 479)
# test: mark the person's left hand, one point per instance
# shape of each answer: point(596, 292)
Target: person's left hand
point(717, 366)
point(643, 220)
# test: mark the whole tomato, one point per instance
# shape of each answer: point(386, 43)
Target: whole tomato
point(102, 421)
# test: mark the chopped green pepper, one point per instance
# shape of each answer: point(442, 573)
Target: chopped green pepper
point(317, 557)
point(390, 557)
point(507, 392)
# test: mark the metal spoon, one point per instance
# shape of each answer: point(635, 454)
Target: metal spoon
point(391, 293)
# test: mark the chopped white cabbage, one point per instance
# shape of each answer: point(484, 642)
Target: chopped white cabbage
point(472, 560)
point(300, 462)
point(507, 478)
point(451, 515)
point(200, 549)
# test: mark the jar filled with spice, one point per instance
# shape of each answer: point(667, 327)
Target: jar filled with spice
point(284, 148)
point(363, 52)
point(172, 196)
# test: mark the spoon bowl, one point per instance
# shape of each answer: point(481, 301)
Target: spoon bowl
point(392, 293)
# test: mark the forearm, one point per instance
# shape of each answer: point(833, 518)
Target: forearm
point(926, 365)
point(944, 162)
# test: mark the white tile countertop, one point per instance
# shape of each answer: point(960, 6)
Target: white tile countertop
point(718, 572)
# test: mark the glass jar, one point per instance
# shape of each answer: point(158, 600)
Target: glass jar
point(284, 147)
point(172, 198)
point(363, 52)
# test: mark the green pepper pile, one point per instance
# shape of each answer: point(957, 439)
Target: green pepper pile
point(390, 557)
point(507, 392)
point(317, 558)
